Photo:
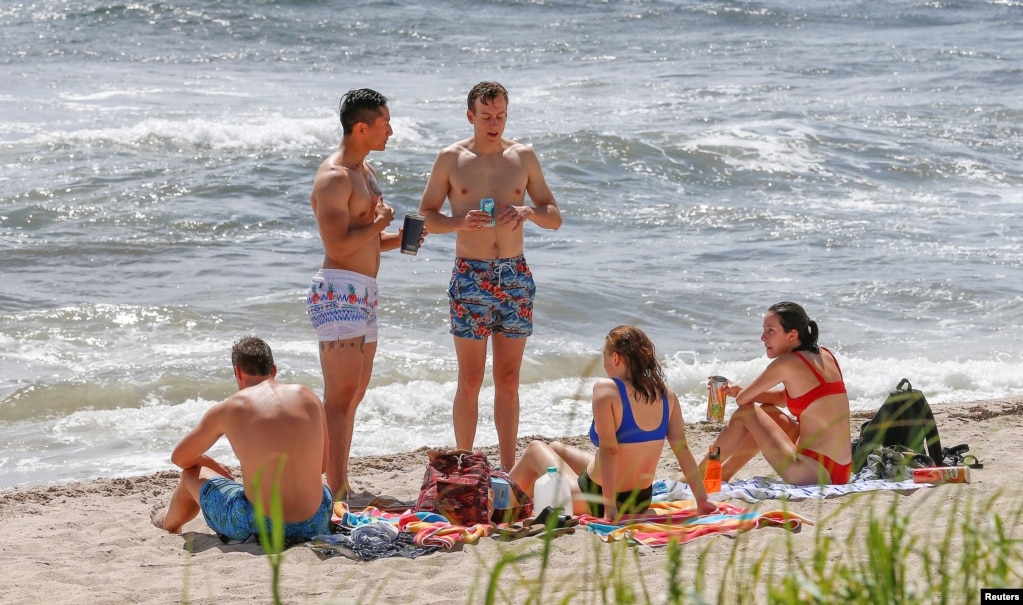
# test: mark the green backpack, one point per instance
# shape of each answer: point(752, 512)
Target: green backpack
point(904, 419)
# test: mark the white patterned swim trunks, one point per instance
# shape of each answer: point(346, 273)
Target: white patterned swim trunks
point(342, 305)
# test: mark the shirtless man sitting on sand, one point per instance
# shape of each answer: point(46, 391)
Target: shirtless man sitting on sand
point(278, 432)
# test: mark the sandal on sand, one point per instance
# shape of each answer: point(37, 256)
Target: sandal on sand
point(390, 504)
point(544, 523)
point(540, 529)
point(516, 531)
point(957, 456)
point(513, 531)
point(544, 517)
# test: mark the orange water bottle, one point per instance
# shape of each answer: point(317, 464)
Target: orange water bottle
point(712, 475)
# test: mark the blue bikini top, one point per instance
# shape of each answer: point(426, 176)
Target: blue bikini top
point(628, 431)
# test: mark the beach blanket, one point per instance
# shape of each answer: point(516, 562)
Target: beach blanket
point(373, 533)
point(369, 546)
point(678, 521)
point(757, 489)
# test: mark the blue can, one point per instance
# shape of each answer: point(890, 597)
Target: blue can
point(487, 205)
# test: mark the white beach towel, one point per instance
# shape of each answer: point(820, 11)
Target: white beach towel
point(757, 489)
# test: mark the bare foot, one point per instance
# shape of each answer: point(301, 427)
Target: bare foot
point(158, 515)
point(343, 493)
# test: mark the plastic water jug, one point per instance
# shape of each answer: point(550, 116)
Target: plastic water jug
point(551, 489)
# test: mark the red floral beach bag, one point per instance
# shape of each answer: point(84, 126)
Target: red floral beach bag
point(457, 485)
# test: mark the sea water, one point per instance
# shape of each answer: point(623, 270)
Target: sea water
point(709, 158)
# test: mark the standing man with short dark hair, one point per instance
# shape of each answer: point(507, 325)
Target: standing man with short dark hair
point(342, 300)
point(491, 290)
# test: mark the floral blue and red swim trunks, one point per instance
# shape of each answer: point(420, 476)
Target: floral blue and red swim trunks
point(230, 514)
point(493, 296)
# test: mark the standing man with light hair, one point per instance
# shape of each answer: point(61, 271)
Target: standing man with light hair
point(491, 289)
point(342, 300)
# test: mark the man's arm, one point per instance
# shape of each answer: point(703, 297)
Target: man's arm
point(333, 194)
point(544, 212)
point(389, 240)
point(436, 193)
point(191, 451)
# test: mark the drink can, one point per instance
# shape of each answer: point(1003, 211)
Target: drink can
point(717, 393)
point(411, 232)
point(487, 205)
point(942, 474)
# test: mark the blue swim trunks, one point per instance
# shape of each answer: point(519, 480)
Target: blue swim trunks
point(490, 297)
point(229, 513)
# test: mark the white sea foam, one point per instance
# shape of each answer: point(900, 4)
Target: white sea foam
point(154, 204)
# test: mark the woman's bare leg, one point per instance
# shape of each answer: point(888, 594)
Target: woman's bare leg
point(777, 445)
point(534, 462)
point(739, 445)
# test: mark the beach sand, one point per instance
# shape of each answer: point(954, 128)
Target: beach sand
point(93, 542)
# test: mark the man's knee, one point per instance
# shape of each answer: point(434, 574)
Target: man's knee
point(192, 479)
point(506, 380)
point(342, 398)
point(470, 381)
point(190, 474)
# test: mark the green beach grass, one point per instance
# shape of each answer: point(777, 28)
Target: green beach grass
point(880, 560)
point(872, 548)
point(943, 544)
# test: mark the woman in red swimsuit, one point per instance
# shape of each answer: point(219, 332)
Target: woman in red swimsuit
point(812, 445)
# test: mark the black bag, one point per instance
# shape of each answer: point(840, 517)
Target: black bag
point(904, 419)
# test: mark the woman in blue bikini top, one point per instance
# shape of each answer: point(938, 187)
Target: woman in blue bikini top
point(628, 431)
point(634, 412)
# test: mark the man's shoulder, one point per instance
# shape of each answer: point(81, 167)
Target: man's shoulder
point(269, 395)
point(228, 408)
point(332, 186)
point(457, 148)
point(519, 150)
point(330, 172)
point(296, 390)
point(288, 390)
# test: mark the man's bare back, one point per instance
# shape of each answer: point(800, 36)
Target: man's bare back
point(278, 433)
point(271, 418)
